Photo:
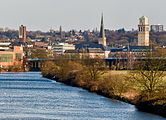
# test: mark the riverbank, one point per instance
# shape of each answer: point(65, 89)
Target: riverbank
point(99, 92)
point(12, 69)
point(136, 87)
point(130, 96)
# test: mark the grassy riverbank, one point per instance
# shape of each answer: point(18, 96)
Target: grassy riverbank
point(95, 77)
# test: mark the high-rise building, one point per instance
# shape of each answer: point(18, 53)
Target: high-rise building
point(102, 38)
point(22, 33)
point(143, 32)
point(157, 28)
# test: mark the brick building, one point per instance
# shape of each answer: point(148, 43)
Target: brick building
point(22, 33)
point(12, 56)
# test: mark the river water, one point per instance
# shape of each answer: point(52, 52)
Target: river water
point(28, 96)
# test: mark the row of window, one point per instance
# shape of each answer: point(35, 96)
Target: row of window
point(9, 57)
point(6, 58)
point(143, 29)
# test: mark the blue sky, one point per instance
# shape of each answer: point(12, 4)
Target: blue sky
point(79, 14)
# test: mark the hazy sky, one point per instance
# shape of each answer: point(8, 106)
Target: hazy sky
point(79, 14)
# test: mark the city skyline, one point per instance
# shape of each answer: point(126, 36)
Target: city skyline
point(80, 15)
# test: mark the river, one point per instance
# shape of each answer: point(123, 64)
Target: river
point(28, 96)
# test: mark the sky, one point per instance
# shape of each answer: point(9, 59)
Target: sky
point(79, 14)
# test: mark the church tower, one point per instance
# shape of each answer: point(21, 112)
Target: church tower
point(102, 38)
point(143, 32)
point(60, 31)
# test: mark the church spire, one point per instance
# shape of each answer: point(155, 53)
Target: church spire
point(60, 31)
point(102, 38)
point(102, 34)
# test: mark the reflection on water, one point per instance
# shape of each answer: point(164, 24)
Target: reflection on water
point(28, 96)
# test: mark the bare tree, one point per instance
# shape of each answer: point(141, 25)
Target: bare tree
point(148, 76)
point(95, 67)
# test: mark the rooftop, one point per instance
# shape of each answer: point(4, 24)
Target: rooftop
point(143, 17)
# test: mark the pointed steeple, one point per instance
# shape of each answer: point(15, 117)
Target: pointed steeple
point(102, 38)
point(60, 31)
point(102, 34)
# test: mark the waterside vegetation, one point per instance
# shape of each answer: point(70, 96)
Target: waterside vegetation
point(12, 68)
point(144, 86)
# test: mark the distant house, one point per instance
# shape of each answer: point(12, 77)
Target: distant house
point(39, 44)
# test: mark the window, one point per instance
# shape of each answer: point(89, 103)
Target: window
point(143, 28)
point(18, 56)
point(6, 58)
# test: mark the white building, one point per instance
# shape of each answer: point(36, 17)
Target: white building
point(157, 28)
point(5, 45)
point(62, 47)
point(143, 32)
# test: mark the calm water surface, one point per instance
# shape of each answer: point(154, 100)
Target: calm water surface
point(28, 96)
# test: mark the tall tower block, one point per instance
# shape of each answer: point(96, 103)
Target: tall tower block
point(22, 33)
point(102, 38)
point(143, 32)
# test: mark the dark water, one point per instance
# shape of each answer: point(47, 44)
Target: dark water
point(28, 96)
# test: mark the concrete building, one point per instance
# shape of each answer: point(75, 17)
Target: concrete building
point(102, 38)
point(12, 56)
point(157, 28)
point(62, 47)
point(22, 33)
point(143, 32)
point(136, 51)
point(5, 45)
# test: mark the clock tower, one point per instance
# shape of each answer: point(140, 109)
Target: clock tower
point(143, 32)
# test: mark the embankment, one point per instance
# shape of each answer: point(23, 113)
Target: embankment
point(146, 106)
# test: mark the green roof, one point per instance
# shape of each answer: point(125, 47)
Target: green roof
point(143, 17)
